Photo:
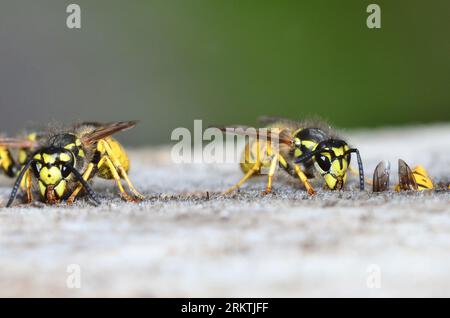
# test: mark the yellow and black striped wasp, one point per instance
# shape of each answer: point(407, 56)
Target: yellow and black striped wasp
point(61, 164)
point(408, 179)
point(305, 150)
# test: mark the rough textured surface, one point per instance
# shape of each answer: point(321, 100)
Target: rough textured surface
point(180, 243)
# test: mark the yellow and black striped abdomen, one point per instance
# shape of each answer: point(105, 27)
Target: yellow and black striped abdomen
point(119, 154)
point(7, 162)
point(423, 181)
point(415, 179)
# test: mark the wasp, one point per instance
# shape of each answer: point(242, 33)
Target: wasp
point(408, 179)
point(305, 150)
point(61, 164)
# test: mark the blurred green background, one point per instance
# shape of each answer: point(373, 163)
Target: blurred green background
point(169, 62)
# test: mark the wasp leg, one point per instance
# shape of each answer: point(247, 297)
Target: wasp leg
point(106, 160)
point(136, 193)
point(28, 185)
point(299, 173)
point(86, 177)
point(252, 171)
point(120, 169)
point(355, 172)
point(303, 179)
point(273, 167)
point(23, 183)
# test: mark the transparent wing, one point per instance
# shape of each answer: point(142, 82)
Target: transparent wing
point(406, 180)
point(105, 130)
point(17, 142)
point(281, 135)
point(381, 177)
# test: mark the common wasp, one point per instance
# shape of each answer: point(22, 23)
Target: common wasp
point(305, 150)
point(408, 179)
point(61, 164)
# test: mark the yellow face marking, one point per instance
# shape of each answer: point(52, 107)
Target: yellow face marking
point(338, 151)
point(336, 167)
point(61, 188)
point(64, 157)
point(330, 180)
point(49, 158)
point(50, 176)
point(42, 189)
point(336, 177)
point(38, 157)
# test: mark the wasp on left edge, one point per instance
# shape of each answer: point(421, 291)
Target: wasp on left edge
point(61, 164)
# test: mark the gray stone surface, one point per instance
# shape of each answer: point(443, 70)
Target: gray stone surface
point(180, 243)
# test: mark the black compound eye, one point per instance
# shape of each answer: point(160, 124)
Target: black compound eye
point(65, 171)
point(323, 162)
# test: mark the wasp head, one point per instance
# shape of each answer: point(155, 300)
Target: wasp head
point(332, 162)
point(52, 167)
point(332, 158)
